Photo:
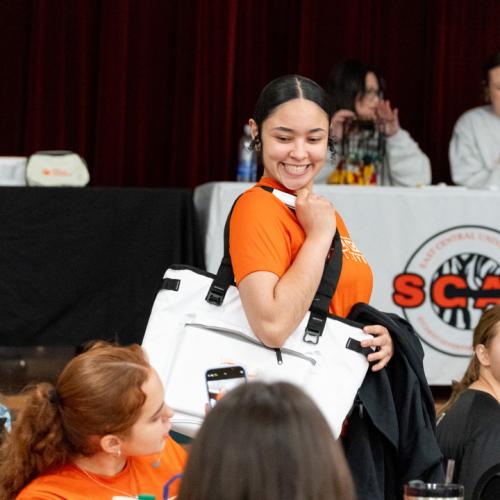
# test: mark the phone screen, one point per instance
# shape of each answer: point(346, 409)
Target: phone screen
point(221, 380)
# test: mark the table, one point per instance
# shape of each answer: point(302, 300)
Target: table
point(85, 263)
point(434, 252)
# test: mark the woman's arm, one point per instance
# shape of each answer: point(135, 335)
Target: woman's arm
point(275, 306)
point(408, 164)
point(339, 120)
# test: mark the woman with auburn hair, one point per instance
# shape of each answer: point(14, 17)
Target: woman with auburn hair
point(468, 429)
point(266, 442)
point(102, 431)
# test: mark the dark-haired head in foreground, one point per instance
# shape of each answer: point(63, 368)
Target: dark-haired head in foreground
point(266, 442)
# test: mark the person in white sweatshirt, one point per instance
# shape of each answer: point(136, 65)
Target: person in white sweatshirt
point(475, 144)
point(356, 90)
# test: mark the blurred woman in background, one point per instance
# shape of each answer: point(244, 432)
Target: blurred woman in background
point(368, 131)
point(475, 144)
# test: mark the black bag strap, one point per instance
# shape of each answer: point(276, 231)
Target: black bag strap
point(320, 305)
point(329, 280)
point(327, 287)
point(225, 275)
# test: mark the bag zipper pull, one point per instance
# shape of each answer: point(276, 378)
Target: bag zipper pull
point(278, 355)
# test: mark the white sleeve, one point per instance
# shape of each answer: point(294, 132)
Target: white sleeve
point(405, 163)
point(466, 161)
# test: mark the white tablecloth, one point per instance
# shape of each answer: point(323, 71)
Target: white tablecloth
point(13, 170)
point(431, 250)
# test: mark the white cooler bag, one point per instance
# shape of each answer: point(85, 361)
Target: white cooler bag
point(198, 322)
point(56, 168)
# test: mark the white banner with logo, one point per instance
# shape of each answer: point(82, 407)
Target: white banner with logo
point(434, 252)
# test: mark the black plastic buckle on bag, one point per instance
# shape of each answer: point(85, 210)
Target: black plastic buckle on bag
point(170, 284)
point(355, 345)
point(215, 295)
point(314, 329)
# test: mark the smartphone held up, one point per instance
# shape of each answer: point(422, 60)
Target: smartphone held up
point(221, 380)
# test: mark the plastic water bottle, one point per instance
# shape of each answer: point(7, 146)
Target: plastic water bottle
point(5, 419)
point(247, 160)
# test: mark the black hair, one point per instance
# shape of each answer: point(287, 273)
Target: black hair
point(284, 89)
point(492, 62)
point(347, 81)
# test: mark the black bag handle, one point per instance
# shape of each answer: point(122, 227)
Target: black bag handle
point(225, 275)
point(320, 305)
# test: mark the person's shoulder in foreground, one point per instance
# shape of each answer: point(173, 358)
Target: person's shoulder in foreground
point(150, 471)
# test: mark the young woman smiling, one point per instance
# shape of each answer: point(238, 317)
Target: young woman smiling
point(277, 254)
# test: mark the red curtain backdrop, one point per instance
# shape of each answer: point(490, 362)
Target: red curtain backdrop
point(155, 93)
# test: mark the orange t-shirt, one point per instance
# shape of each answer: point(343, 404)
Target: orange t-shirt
point(140, 475)
point(265, 235)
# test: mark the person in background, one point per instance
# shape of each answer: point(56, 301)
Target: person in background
point(357, 93)
point(266, 442)
point(468, 428)
point(475, 144)
point(102, 431)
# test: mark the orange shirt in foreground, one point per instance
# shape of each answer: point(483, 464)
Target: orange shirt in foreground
point(265, 235)
point(140, 475)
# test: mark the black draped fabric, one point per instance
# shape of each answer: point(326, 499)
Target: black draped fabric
point(81, 264)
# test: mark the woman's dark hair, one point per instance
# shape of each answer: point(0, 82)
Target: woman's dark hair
point(347, 81)
point(484, 332)
point(287, 88)
point(99, 392)
point(266, 442)
point(492, 62)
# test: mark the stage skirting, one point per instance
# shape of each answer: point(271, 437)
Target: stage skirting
point(434, 251)
point(86, 263)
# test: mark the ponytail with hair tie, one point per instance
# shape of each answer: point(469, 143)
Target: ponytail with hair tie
point(53, 397)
